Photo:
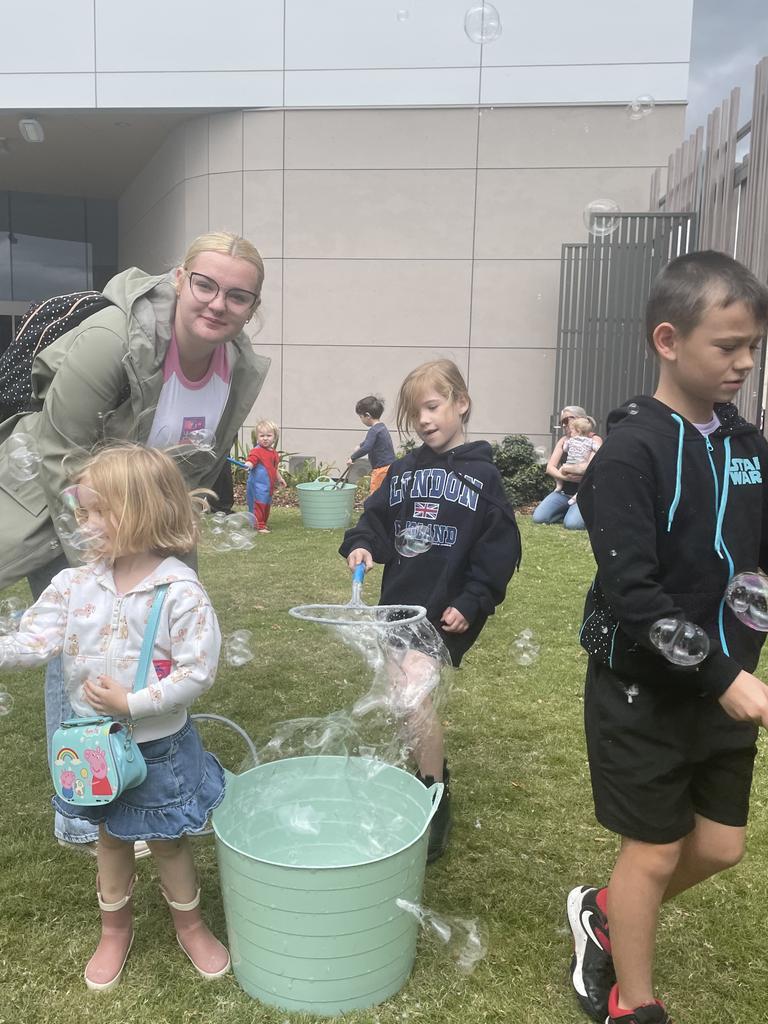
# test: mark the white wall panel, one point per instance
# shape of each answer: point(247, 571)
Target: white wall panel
point(40, 36)
point(591, 32)
point(231, 35)
point(56, 92)
point(369, 34)
point(191, 89)
point(592, 83)
point(382, 88)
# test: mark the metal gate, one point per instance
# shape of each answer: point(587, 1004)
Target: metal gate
point(602, 355)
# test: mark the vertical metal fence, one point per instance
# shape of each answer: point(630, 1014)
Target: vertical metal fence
point(602, 355)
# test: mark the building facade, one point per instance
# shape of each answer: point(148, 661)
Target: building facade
point(408, 186)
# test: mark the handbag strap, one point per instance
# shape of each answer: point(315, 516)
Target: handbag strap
point(150, 633)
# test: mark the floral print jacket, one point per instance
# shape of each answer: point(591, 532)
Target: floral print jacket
point(97, 631)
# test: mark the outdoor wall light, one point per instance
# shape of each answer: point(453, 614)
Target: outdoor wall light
point(31, 130)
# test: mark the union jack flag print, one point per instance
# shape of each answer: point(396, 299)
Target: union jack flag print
point(426, 509)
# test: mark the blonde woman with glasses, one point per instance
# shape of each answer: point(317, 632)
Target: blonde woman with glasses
point(557, 507)
point(167, 363)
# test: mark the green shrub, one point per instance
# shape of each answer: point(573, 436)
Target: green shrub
point(524, 478)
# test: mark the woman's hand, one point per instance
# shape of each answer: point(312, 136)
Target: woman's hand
point(106, 696)
point(358, 555)
point(453, 621)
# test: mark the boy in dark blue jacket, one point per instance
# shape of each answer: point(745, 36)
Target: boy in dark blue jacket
point(453, 492)
point(675, 506)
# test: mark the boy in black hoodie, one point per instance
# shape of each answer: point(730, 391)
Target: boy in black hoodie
point(455, 491)
point(675, 506)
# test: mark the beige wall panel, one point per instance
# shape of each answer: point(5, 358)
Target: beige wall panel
point(268, 403)
point(225, 141)
point(263, 211)
point(322, 384)
point(511, 390)
point(379, 214)
point(225, 199)
point(196, 213)
point(163, 172)
point(262, 140)
point(154, 244)
point(345, 139)
point(577, 136)
point(530, 213)
point(266, 327)
point(514, 303)
point(196, 147)
point(377, 302)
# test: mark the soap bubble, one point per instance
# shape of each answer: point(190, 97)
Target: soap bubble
point(640, 107)
point(23, 456)
point(524, 648)
point(747, 597)
point(633, 409)
point(6, 703)
point(233, 532)
point(11, 611)
point(237, 648)
point(464, 940)
point(73, 531)
point(413, 539)
point(482, 23)
point(600, 217)
point(683, 643)
point(403, 15)
point(202, 439)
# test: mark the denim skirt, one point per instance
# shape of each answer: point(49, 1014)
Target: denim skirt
point(183, 785)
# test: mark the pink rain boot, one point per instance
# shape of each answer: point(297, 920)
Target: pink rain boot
point(209, 957)
point(103, 970)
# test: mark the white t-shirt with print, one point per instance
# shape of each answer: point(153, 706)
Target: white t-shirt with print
point(186, 405)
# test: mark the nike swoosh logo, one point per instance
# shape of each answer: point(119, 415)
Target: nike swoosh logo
point(586, 923)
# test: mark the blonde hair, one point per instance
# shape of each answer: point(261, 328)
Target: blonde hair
point(228, 244)
point(270, 425)
point(146, 498)
point(441, 374)
point(583, 425)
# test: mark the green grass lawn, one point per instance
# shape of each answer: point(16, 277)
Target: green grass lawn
point(524, 829)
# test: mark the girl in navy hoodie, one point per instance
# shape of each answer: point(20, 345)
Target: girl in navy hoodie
point(454, 491)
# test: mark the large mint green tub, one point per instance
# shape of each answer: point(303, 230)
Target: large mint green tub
point(313, 852)
point(325, 504)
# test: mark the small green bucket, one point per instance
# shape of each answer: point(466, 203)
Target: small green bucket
point(326, 504)
point(313, 852)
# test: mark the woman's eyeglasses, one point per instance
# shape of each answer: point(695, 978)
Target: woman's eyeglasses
point(205, 289)
point(566, 420)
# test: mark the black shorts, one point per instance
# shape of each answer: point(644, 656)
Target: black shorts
point(657, 758)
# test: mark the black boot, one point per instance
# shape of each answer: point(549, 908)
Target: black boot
point(440, 828)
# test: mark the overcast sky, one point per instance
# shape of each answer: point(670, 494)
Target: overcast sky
point(729, 38)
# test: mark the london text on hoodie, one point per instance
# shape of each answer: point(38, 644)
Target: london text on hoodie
point(475, 540)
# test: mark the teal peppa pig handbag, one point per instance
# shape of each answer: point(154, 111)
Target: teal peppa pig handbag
point(94, 760)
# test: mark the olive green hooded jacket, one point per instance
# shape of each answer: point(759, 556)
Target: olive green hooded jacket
point(102, 381)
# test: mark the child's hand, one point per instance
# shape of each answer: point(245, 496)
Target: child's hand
point(453, 621)
point(746, 699)
point(106, 696)
point(280, 482)
point(358, 555)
